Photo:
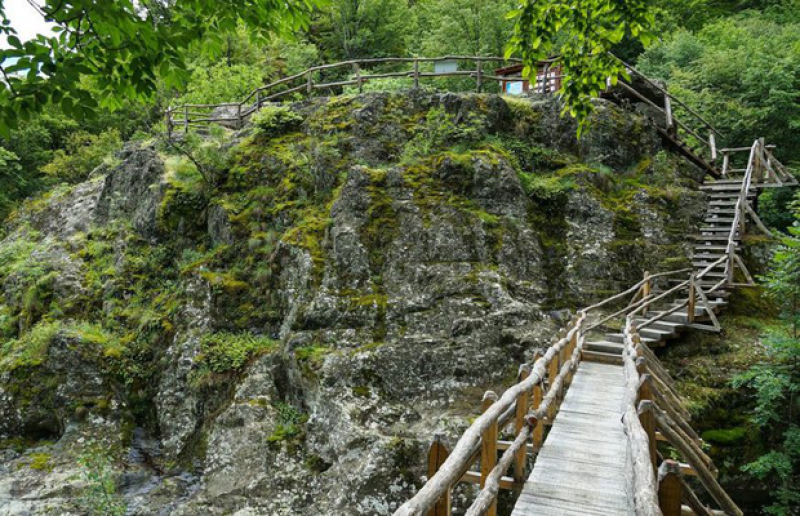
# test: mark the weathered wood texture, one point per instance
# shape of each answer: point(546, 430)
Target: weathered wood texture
point(579, 470)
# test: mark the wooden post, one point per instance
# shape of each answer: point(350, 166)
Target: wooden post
point(668, 111)
point(239, 121)
point(713, 144)
point(489, 448)
point(185, 119)
point(437, 454)
point(309, 81)
point(552, 373)
point(647, 420)
point(522, 411)
point(416, 74)
point(726, 159)
point(692, 295)
point(538, 395)
point(546, 83)
point(357, 70)
point(478, 77)
point(669, 488)
point(169, 122)
point(730, 265)
point(646, 291)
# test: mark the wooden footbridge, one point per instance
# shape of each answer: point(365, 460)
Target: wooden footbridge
point(592, 415)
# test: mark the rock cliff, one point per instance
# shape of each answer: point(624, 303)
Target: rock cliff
point(285, 334)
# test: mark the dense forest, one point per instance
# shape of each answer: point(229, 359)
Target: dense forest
point(735, 62)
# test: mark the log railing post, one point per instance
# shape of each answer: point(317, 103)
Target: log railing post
point(648, 421)
point(692, 294)
point(239, 120)
point(726, 159)
point(522, 411)
point(416, 74)
point(489, 448)
point(668, 113)
point(646, 291)
point(185, 119)
point(479, 77)
point(670, 488)
point(546, 81)
point(357, 70)
point(309, 81)
point(169, 122)
point(552, 373)
point(538, 396)
point(713, 144)
point(437, 454)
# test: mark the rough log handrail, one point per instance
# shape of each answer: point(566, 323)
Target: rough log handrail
point(644, 481)
point(450, 472)
point(253, 101)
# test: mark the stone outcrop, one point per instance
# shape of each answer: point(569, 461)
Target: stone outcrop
point(345, 291)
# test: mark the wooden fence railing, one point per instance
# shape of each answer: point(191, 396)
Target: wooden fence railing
point(651, 415)
point(306, 82)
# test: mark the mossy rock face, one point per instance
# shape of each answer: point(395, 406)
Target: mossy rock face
point(360, 268)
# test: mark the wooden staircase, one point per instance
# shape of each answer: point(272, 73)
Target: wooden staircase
point(710, 246)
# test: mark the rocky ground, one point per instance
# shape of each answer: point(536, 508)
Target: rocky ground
point(284, 332)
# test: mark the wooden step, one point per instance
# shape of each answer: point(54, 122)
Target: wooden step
point(599, 356)
point(713, 247)
point(670, 326)
point(722, 187)
point(721, 211)
point(618, 338)
point(719, 237)
point(604, 346)
point(715, 229)
point(719, 220)
point(702, 265)
point(657, 334)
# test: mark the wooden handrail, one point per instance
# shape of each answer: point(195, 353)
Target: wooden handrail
point(461, 456)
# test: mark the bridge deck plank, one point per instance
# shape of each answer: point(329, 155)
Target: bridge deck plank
point(580, 470)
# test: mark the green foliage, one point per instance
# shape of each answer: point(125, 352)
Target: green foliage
point(583, 33)
point(464, 27)
point(225, 352)
point(99, 495)
point(14, 182)
point(725, 436)
point(776, 381)
point(741, 73)
point(221, 82)
point(126, 48)
point(82, 154)
point(546, 188)
point(290, 424)
point(364, 28)
point(440, 130)
point(276, 120)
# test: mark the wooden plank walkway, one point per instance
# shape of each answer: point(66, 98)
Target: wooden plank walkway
point(581, 468)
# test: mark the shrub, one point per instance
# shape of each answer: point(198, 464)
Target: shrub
point(276, 120)
point(83, 153)
point(225, 352)
point(290, 423)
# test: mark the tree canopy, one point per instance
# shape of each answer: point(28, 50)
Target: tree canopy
point(127, 48)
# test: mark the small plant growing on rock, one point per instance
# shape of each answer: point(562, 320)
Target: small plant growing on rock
point(276, 120)
point(99, 496)
point(290, 423)
point(223, 353)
